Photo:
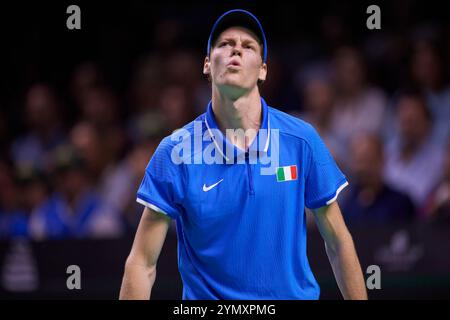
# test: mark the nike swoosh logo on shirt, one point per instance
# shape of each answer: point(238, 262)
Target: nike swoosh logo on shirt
point(206, 189)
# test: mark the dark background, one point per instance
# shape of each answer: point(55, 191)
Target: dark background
point(36, 47)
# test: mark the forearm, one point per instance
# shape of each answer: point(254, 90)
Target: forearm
point(346, 268)
point(137, 281)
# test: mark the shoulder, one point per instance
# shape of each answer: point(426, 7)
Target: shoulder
point(300, 135)
point(294, 127)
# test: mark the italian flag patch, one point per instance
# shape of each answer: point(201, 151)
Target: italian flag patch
point(286, 173)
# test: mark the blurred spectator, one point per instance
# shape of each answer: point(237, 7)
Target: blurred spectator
point(99, 106)
point(334, 31)
point(428, 71)
point(44, 128)
point(13, 219)
point(176, 107)
point(88, 142)
point(359, 107)
point(319, 95)
point(86, 76)
point(312, 73)
point(34, 187)
point(438, 204)
point(119, 183)
point(167, 33)
point(164, 101)
point(145, 92)
point(368, 199)
point(385, 52)
point(74, 210)
point(414, 162)
point(120, 186)
point(114, 181)
point(146, 83)
point(184, 68)
point(5, 134)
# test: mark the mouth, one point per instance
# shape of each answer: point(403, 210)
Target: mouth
point(234, 63)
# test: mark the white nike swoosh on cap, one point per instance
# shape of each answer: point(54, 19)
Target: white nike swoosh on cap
point(205, 188)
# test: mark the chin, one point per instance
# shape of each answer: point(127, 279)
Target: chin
point(231, 82)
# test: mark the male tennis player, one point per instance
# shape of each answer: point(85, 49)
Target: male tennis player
point(241, 230)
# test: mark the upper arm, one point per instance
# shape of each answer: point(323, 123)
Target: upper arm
point(162, 186)
point(331, 224)
point(150, 236)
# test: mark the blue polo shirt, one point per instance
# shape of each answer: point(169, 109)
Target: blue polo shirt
point(241, 221)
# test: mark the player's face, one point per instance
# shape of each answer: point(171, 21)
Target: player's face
point(235, 59)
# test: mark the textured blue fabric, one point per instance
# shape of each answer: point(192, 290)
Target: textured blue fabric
point(245, 237)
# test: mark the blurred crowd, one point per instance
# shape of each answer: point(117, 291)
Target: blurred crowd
point(382, 106)
point(395, 148)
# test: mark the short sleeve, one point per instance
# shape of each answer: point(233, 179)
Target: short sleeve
point(161, 188)
point(324, 179)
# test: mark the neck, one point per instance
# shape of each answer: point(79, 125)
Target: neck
point(243, 112)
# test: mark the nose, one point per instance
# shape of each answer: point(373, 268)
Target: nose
point(236, 51)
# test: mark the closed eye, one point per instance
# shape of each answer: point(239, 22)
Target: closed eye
point(223, 44)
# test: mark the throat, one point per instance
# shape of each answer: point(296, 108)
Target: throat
point(239, 120)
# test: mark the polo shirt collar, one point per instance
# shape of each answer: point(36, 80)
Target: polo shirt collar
point(259, 146)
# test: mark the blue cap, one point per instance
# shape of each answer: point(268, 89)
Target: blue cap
point(238, 17)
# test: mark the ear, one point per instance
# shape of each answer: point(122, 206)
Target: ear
point(207, 66)
point(263, 72)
